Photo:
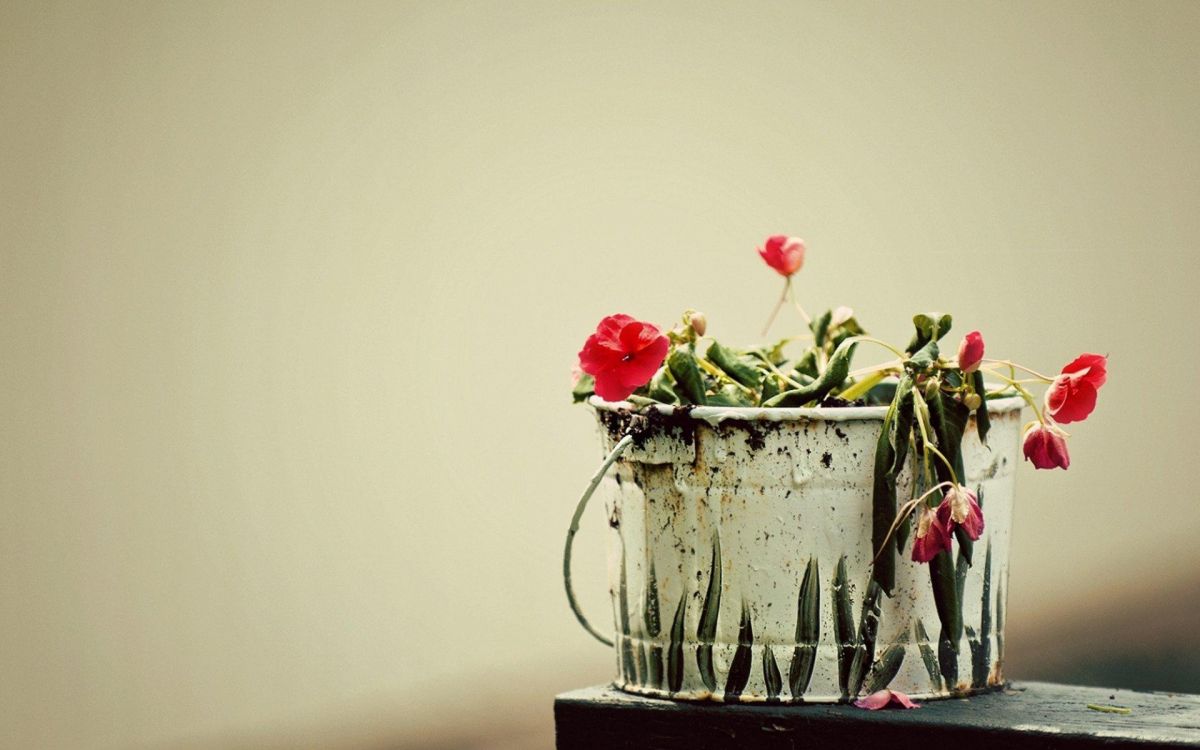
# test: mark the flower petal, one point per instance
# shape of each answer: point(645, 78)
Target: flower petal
point(882, 698)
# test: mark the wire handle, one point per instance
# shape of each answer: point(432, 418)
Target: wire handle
point(616, 452)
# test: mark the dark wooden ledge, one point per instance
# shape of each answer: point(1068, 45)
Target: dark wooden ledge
point(1028, 715)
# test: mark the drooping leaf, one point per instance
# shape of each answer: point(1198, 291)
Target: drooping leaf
point(893, 437)
point(948, 660)
point(945, 595)
point(583, 388)
point(843, 625)
point(961, 568)
point(739, 668)
point(808, 629)
point(886, 668)
point(675, 650)
point(983, 422)
point(834, 375)
point(734, 365)
point(928, 656)
point(706, 631)
point(771, 676)
point(689, 384)
point(948, 417)
point(868, 629)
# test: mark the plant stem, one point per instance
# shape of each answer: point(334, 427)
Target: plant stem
point(787, 287)
point(1010, 364)
point(792, 294)
point(862, 387)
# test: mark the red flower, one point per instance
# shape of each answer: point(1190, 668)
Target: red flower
point(1046, 446)
point(1072, 395)
point(784, 254)
point(960, 507)
point(622, 355)
point(882, 698)
point(970, 352)
point(933, 536)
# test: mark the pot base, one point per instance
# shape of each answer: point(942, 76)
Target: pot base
point(762, 700)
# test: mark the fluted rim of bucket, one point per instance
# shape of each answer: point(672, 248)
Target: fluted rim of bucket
point(716, 414)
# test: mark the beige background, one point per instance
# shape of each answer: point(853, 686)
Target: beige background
point(290, 293)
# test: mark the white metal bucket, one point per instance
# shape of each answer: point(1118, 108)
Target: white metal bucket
point(743, 505)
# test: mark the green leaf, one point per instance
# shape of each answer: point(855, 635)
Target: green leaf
point(675, 650)
point(734, 365)
point(660, 388)
point(706, 631)
point(868, 629)
point(983, 422)
point(583, 388)
point(948, 660)
point(739, 668)
point(924, 358)
point(927, 656)
point(771, 676)
point(808, 629)
point(729, 395)
point(820, 327)
point(690, 385)
point(890, 452)
point(834, 375)
point(843, 625)
point(945, 598)
point(886, 668)
point(807, 365)
point(930, 327)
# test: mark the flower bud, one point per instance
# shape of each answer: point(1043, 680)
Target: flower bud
point(970, 352)
point(972, 401)
point(698, 322)
point(932, 387)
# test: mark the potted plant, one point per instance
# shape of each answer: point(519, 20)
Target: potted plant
point(787, 527)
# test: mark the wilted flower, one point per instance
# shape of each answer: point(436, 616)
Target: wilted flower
point(1046, 446)
point(933, 536)
point(960, 508)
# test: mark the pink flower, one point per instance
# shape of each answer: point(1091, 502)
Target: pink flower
point(933, 536)
point(970, 352)
point(885, 697)
point(1072, 395)
point(1046, 446)
point(622, 355)
point(960, 507)
point(784, 254)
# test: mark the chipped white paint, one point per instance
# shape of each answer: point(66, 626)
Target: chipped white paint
point(780, 486)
